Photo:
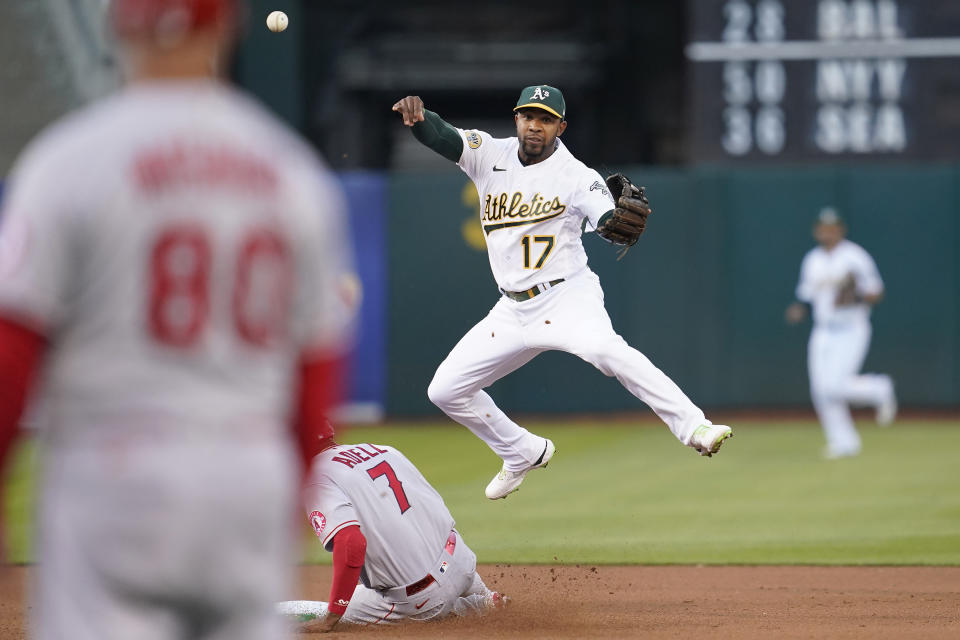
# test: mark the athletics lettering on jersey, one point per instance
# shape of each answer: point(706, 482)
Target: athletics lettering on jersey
point(553, 197)
point(356, 455)
point(503, 205)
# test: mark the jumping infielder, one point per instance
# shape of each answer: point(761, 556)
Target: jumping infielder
point(388, 527)
point(840, 281)
point(171, 256)
point(536, 198)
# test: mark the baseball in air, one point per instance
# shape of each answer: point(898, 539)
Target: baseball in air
point(277, 21)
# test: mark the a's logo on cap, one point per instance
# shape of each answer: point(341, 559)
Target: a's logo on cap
point(540, 93)
point(318, 521)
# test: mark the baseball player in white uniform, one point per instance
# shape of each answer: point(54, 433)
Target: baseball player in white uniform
point(388, 527)
point(536, 199)
point(840, 281)
point(172, 256)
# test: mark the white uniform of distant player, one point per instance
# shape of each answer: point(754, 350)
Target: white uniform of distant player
point(532, 218)
point(181, 249)
point(839, 342)
point(409, 530)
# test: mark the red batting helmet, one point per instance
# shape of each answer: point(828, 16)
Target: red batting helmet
point(142, 17)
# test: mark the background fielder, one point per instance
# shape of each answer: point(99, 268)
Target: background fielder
point(536, 199)
point(172, 257)
point(840, 281)
point(388, 527)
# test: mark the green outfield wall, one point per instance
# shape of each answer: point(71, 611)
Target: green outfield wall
point(703, 292)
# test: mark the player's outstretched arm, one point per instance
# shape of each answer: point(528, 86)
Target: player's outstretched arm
point(349, 552)
point(430, 129)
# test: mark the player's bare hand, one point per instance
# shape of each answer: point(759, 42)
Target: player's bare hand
point(411, 108)
point(321, 625)
point(796, 313)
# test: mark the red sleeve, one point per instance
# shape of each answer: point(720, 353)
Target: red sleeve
point(349, 551)
point(320, 387)
point(20, 352)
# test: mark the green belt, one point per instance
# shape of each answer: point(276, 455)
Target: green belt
point(532, 292)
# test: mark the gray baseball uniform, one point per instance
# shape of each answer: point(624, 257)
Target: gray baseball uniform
point(180, 249)
point(417, 566)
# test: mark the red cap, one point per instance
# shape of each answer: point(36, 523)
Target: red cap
point(141, 17)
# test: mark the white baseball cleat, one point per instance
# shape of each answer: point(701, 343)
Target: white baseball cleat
point(831, 453)
point(887, 410)
point(506, 482)
point(707, 438)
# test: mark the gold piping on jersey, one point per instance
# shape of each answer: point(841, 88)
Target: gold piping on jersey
point(536, 210)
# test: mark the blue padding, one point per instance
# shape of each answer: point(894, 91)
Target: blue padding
point(366, 193)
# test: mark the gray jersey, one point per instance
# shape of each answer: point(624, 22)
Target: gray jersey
point(403, 518)
point(180, 249)
point(179, 268)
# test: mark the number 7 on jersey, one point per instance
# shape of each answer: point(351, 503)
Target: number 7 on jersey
point(384, 469)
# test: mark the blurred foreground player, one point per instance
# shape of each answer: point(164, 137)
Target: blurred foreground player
point(840, 280)
point(169, 261)
point(388, 527)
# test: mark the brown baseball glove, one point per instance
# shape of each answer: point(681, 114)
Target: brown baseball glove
point(629, 218)
point(847, 293)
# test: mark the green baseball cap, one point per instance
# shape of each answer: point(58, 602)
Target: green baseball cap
point(541, 96)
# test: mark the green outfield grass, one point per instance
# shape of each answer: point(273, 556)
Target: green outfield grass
point(629, 493)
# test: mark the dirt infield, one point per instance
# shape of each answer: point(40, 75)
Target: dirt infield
point(667, 602)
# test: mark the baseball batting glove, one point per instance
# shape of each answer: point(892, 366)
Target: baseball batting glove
point(629, 217)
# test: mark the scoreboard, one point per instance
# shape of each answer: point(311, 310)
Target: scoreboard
point(815, 80)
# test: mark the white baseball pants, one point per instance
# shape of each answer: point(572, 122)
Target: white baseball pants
point(568, 317)
point(834, 358)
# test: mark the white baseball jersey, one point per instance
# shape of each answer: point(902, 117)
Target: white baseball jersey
point(403, 518)
point(532, 216)
point(821, 274)
point(180, 248)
